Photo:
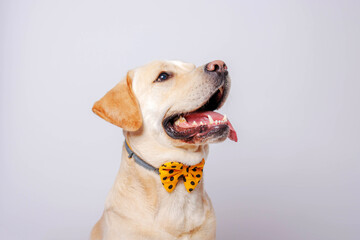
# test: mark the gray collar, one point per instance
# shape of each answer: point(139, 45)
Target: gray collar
point(138, 160)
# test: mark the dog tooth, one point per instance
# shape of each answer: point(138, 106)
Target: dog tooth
point(182, 119)
point(194, 123)
point(225, 118)
point(216, 122)
point(211, 120)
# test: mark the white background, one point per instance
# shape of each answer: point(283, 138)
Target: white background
point(293, 175)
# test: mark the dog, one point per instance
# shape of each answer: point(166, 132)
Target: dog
point(166, 111)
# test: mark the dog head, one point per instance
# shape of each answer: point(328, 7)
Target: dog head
point(172, 101)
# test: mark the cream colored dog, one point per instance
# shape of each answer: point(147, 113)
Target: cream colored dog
point(166, 111)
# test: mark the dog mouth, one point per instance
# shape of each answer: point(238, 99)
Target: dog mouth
point(201, 124)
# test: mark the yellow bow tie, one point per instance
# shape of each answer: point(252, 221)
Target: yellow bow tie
point(170, 173)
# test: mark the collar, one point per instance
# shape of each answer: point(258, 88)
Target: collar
point(170, 172)
point(138, 160)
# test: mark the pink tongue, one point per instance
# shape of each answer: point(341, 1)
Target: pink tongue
point(203, 116)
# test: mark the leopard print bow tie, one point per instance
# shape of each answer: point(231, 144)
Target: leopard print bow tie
point(170, 173)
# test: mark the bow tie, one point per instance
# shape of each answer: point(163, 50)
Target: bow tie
point(170, 173)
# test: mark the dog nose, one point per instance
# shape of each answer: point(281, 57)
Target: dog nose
point(217, 66)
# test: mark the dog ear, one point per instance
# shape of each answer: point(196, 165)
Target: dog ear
point(119, 106)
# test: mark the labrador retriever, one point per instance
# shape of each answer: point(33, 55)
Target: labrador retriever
point(166, 110)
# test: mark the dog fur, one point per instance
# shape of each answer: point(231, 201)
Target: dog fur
point(138, 207)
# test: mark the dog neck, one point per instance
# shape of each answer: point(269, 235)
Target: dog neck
point(139, 195)
point(148, 148)
point(138, 160)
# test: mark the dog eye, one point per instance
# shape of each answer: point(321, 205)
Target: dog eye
point(162, 77)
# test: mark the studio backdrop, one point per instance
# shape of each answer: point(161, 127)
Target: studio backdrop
point(294, 102)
